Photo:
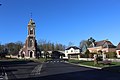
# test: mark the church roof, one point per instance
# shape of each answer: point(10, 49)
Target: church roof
point(31, 22)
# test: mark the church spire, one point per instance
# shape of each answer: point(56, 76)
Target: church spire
point(31, 15)
point(31, 22)
point(29, 50)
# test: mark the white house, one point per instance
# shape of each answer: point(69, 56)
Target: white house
point(72, 51)
point(118, 50)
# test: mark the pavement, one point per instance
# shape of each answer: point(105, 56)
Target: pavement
point(3, 75)
point(55, 70)
point(60, 70)
point(18, 69)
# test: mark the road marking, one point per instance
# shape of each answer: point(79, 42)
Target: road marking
point(54, 61)
point(61, 61)
point(4, 76)
point(1, 77)
point(37, 70)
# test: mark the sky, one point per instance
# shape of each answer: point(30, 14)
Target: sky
point(61, 21)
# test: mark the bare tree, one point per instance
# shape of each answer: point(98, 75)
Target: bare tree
point(70, 44)
point(50, 46)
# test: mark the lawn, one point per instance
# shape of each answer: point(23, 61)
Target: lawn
point(16, 59)
point(116, 63)
point(91, 63)
point(41, 59)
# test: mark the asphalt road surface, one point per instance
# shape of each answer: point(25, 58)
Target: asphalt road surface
point(55, 70)
point(18, 69)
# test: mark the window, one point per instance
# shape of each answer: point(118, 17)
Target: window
point(119, 52)
point(31, 31)
point(30, 43)
point(71, 50)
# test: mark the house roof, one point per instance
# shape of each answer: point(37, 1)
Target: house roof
point(104, 43)
point(118, 46)
point(74, 47)
point(74, 54)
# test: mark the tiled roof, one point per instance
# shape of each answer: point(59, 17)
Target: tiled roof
point(118, 46)
point(101, 43)
point(104, 43)
point(74, 47)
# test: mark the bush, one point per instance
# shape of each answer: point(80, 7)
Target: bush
point(87, 53)
point(99, 58)
point(82, 55)
point(111, 54)
point(90, 55)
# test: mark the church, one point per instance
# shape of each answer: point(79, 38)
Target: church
point(29, 49)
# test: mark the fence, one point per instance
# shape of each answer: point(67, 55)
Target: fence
point(86, 59)
point(92, 59)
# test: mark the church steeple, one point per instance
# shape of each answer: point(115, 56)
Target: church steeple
point(29, 49)
point(31, 23)
point(31, 28)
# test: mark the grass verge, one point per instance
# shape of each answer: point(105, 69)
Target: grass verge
point(91, 63)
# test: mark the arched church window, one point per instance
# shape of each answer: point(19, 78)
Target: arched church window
point(30, 42)
point(31, 31)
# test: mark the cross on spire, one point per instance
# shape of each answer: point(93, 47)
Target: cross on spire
point(31, 15)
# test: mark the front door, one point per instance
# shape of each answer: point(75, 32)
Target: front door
point(31, 54)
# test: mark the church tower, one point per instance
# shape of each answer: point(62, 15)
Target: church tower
point(29, 48)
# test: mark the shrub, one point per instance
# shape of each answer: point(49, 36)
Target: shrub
point(99, 58)
point(111, 54)
point(87, 53)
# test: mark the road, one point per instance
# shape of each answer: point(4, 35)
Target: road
point(56, 70)
point(18, 69)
